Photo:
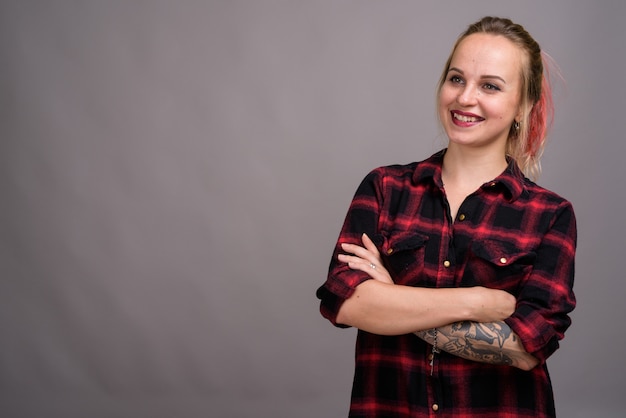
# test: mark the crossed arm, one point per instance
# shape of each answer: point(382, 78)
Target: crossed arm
point(474, 332)
point(491, 342)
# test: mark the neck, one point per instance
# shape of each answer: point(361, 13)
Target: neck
point(471, 168)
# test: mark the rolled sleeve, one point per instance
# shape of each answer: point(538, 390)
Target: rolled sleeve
point(362, 217)
point(547, 297)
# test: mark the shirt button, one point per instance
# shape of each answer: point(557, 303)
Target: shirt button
point(389, 251)
point(435, 407)
point(447, 263)
point(462, 217)
point(503, 260)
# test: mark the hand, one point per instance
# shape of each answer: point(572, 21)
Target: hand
point(366, 258)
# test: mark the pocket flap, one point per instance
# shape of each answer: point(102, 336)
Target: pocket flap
point(501, 253)
point(399, 241)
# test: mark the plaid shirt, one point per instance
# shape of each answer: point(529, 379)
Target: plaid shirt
point(510, 234)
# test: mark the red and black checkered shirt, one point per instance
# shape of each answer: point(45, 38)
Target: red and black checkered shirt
point(510, 234)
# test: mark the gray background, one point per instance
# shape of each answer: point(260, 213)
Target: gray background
point(173, 176)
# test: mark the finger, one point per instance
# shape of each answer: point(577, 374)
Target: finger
point(368, 256)
point(358, 261)
point(375, 271)
point(369, 244)
point(358, 251)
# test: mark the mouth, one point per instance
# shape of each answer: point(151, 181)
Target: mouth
point(465, 118)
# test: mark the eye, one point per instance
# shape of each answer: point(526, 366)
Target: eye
point(489, 86)
point(456, 79)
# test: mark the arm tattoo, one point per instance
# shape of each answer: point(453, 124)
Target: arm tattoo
point(482, 342)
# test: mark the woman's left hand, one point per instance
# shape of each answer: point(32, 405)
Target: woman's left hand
point(366, 258)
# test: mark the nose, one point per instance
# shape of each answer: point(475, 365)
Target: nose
point(467, 96)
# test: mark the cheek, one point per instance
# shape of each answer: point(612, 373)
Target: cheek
point(514, 108)
point(446, 95)
point(502, 110)
point(443, 101)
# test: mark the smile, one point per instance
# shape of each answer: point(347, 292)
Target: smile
point(466, 118)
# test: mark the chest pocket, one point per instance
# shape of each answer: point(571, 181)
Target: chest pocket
point(403, 255)
point(498, 265)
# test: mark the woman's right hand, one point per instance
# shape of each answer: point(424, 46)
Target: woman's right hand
point(491, 305)
point(365, 258)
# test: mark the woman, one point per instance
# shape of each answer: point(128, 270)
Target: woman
point(458, 270)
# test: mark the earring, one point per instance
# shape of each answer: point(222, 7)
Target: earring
point(516, 125)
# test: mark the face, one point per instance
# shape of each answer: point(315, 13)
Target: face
point(480, 98)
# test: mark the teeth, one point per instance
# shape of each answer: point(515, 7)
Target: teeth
point(465, 118)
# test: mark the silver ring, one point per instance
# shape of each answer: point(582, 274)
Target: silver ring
point(372, 265)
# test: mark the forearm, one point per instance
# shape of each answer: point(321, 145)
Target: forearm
point(491, 342)
point(388, 309)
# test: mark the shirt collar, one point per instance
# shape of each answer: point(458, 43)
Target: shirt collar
point(511, 179)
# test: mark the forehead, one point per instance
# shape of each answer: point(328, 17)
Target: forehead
point(483, 53)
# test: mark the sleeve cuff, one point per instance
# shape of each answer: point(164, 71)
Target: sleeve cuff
point(537, 336)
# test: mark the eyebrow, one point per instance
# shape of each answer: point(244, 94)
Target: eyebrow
point(484, 76)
